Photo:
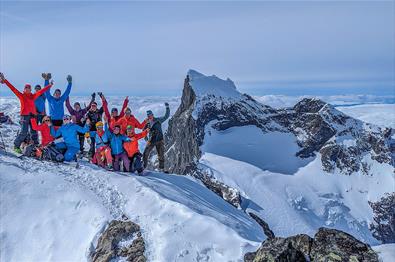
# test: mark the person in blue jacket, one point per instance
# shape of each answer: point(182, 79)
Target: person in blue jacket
point(56, 102)
point(69, 131)
point(116, 143)
point(40, 105)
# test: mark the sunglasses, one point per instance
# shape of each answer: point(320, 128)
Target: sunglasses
point(66, 119)
point(47, 120)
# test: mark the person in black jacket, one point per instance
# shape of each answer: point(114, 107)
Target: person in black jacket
point(155, 137)
point(94, 115)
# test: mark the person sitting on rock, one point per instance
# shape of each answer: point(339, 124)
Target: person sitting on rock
point(44, 130)
point(56, 102)
point(155, 137)
point(26, 99)
point(116, 143)
point(78, 116)
point(69, 131)
point(129, 120)
point(132, 149)
point(113, 117)
point(102, 156)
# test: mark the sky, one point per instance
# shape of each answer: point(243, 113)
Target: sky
point(146, 48)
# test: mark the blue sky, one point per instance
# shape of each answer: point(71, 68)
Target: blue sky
point(146, 48)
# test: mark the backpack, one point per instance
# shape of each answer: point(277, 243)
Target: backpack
point(51, 153)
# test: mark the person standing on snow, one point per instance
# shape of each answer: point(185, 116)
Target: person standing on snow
point(78, 113)
point(116, 143)
point(155, 137)
point(69, 131)
point(129, 120)
point(40, 105)
point(132, 149)
point(26, 99)
point(94, 115)
point(113, 117)
point(56, 102)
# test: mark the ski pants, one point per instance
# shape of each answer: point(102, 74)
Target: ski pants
point(102, 156)
point(126, 162)
point(70, 153)
point(160, 149)
point(92, 146)
point(26, 127)
point(81, 138)
point(136, 163)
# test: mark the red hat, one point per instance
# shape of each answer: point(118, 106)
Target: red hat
point(28, 85)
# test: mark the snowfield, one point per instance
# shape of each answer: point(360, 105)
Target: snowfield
point(54, 212)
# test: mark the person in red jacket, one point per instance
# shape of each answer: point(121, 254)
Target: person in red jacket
point(132, 149)
point(26, 98)
point(129, 120)
point(114, 116)
point(44, 129)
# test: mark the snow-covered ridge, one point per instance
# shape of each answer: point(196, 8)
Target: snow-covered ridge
point(212, 85)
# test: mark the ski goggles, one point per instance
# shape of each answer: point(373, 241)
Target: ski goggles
point(66, 118)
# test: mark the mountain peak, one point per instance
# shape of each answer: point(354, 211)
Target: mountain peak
point(212, 85)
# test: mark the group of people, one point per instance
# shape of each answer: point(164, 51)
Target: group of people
point(112, 136)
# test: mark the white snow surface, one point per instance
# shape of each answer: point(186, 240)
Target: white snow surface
point(386, 252)
point(212, 85)
point(274, 151)
point(54, 212)
point(307, 200)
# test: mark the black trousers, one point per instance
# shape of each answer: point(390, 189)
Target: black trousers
point(160, 149)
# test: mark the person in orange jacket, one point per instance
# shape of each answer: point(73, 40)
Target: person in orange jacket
point(129, 120)
point(44, 130)
point(113, 117)
point(28, 108)
point(132, 149)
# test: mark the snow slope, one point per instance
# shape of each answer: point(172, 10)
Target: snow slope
point(307, 200)
point(62, 210)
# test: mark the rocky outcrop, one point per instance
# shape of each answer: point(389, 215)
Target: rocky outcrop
point(120, 239)
point(327, 245)
point(383, 225)
point(181, 136)
point(229, 194)
point(342, 141)
point(265, 226)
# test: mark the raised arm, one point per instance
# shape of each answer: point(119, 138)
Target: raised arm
point(124, 106)
point(69, 107)
point(166, 116)
point(86, 109)
point(138, 124)
point(36, 127)
point(68, 89)
point(42, 91)
point(47, 92)
point(81, 129)
point(13, 89)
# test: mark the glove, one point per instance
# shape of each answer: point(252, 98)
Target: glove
point(167, 104)
point(100, 94)
point(2, 78)
point(93, 96)
point(49, 76)
point(44, 75)
point(69, 78)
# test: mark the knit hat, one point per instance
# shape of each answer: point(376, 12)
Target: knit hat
point(37, 86)
point(114, 109)
point(149, 113)
point(100, 123)
point(58, 90)
point(28, 86)
point(77, 103)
